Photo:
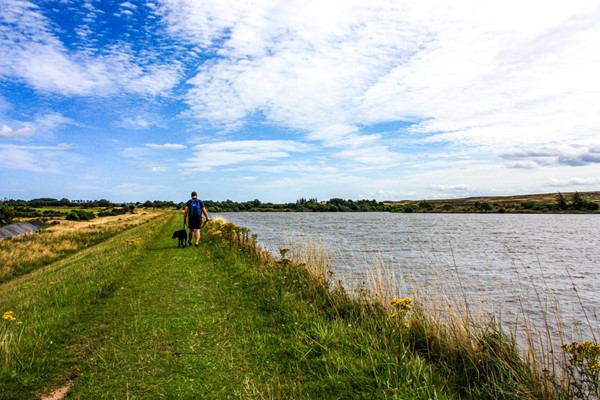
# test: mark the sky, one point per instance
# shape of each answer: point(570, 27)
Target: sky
point(280, 100)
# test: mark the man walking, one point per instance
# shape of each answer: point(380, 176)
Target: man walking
point(194, 209)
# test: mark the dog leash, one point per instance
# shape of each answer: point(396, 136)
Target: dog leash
point(201, 224)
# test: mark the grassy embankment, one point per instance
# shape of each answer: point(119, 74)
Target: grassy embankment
point(22, 254)
point(136, 317)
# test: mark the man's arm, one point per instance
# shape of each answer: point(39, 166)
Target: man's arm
point(205, 212)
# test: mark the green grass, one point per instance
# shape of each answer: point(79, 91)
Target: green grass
point(138, 318)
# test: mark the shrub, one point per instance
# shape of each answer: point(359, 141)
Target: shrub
point(72, 216)
point(425, 205)
point(80, 215)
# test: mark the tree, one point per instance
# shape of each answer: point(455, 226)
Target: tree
point(6, 214)
point(104, 203)
point(578, 201)
point(561, 202)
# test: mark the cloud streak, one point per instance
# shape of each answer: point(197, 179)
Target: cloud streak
point(253, 153)
point(45, 159)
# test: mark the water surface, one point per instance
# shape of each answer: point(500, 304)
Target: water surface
point(504, 263)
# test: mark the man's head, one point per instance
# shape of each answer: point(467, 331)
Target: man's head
point(194, 194)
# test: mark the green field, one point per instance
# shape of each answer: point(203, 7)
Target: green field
point(135, 317)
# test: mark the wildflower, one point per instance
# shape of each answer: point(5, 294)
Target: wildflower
point(586, 353)
point(283, 251)
point(407, 325)
point(404, 304)
point(9, 316)
point(216, 233)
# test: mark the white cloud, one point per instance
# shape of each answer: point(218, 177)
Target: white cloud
point(241, 152)
point(247, 179)
point(166, 146)
point(34, 53)
point(42, 159)
point(143, 121)
point(575, 182)
point(42, 125)
point(7, 132)
point(493, 76)
point(564, 155)
point(373, 155)
point(136, 122)
point(451, 188)
point(151, 157)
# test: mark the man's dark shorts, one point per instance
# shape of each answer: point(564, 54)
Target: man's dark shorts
point(195, 222)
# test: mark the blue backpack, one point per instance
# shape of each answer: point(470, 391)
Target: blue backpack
point(195, 209)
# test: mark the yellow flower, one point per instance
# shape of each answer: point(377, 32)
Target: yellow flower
point(9, 316)
point(407, 325)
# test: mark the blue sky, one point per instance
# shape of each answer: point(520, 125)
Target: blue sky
point(277, 100)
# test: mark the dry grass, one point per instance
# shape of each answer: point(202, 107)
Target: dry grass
point(24, 253)
point(508, 203)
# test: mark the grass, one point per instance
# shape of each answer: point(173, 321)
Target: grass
point(137, 318)
point(22, 254)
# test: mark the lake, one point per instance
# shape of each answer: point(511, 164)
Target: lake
point(507, 264)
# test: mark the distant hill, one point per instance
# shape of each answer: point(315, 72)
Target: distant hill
point(528, 203)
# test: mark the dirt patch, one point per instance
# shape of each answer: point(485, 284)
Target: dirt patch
point(59, 393)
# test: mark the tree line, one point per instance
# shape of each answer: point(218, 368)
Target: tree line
point(87, 209)
point(301, 205)
point(80, 210)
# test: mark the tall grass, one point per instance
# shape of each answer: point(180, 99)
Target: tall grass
point(486, 356)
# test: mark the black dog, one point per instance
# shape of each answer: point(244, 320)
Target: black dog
point(182, 236)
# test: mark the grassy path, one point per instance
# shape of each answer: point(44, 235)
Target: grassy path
point(180, 325)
